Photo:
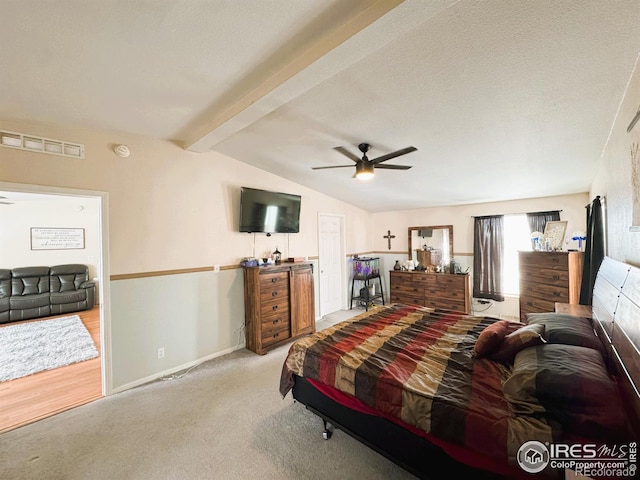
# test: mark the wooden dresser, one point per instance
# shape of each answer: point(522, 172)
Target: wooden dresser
point(547, 278)
point(278, 304)
point(435, 290)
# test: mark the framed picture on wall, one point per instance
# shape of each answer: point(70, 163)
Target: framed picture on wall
point(49, 238)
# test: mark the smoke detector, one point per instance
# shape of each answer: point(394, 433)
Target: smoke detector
point(122, 151)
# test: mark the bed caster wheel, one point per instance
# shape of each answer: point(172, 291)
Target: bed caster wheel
point(326, 433)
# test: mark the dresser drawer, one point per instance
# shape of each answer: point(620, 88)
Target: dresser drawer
point(446, 294)
point(529, 304)
point(274, 278)
point(450, 304)
point(407, 298)
point(451, 281)
point(531, 276)
point(273, 291)
point(403, 289)
point(544, 259)
point(546, 291)
point(274, 307)
point(275, 331)
point(407, 278)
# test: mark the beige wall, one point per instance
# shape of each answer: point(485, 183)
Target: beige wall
point(613, 180)
point(170, 208)
point(461, 217)
point(173, 209)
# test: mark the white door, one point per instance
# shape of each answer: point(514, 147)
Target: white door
point(331, 262)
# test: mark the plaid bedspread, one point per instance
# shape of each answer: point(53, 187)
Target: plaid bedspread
point(416, 364)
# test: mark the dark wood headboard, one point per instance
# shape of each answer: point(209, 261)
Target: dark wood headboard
point(616, 311)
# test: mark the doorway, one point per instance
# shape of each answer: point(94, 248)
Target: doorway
point(331, 252)
point(41, 200)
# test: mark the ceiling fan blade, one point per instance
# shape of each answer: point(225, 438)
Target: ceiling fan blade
point(347, 153)
point(391, 155)
point(394, 167)
point(333, 166)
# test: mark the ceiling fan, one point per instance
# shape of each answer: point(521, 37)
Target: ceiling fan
point(365, 166)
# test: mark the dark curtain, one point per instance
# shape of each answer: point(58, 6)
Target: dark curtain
point(538, 220)
point(488, 254)
point(594, 250)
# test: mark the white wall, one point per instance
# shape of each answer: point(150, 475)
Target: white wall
point(613, 179)
point(17, 220)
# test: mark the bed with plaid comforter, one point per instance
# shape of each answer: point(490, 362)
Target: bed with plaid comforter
point(416, 365)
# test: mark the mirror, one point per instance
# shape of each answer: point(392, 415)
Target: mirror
point(431, 245)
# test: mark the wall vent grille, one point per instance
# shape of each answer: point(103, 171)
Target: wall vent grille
point(33, 143)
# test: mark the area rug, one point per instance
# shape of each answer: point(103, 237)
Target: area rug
point(32, 347)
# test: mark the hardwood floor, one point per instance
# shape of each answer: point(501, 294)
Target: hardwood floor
point(27, 399)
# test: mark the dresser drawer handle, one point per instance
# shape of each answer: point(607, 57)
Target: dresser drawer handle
point(274, 280)
point(275, 335)
point(273, 294)
point(275, 321)
point(275, 307)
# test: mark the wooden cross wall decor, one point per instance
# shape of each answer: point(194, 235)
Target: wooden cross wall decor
point(388, 236)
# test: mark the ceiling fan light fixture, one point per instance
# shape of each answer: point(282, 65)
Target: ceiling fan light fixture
point(364, 171)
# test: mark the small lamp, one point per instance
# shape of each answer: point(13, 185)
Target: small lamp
point(536, 238)
point(579, 235)
point(277, 256)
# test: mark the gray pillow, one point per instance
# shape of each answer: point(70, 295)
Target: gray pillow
point(567, 330)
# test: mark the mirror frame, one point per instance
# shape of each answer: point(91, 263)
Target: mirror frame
point(434, 227)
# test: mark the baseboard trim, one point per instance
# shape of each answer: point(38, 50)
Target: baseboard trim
point(171, 371)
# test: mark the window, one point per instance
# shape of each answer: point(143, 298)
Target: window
point(516, 237)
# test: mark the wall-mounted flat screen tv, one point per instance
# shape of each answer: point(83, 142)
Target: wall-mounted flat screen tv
point(263, 211)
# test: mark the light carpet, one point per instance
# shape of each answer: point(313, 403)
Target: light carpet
point(28, 348)
point(224, 420)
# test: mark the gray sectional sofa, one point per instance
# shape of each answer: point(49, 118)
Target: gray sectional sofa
point(31, 292)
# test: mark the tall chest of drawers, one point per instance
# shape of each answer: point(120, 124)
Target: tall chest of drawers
point(547, 278)
point(435, 290)
point(278, 304)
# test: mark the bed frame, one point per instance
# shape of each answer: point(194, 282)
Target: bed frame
point(616, 314)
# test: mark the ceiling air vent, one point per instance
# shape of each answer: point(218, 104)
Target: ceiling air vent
point(32, 143)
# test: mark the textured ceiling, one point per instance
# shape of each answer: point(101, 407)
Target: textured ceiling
point(503, 99)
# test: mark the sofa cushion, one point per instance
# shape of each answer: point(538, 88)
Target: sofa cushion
point(29, 281)
point(74, 296)
point(5, 293)
point(20, 302)
point(24, 307)
point(68, 277)
point(5, 283)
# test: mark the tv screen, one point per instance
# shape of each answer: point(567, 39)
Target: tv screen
point(269, 212)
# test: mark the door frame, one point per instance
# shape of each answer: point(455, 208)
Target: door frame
point(103, 273)
point(343, 257)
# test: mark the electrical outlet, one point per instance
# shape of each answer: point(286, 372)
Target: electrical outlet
point(216, 268)
point(161, 352)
